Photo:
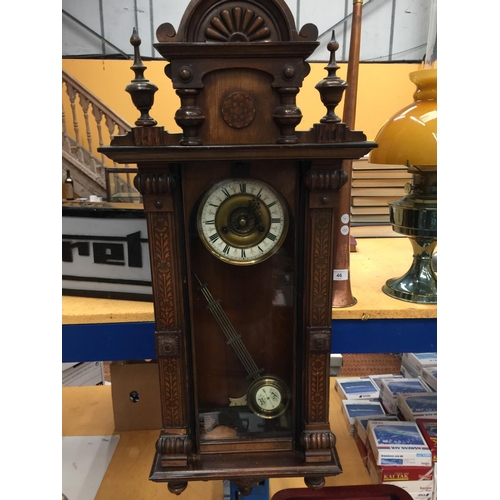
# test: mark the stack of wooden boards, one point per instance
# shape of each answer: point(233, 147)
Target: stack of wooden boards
point(373, 186)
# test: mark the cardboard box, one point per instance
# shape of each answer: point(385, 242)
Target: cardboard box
point(361, 424)
point(135, 392)
point(421, 360)
point(428, 428)
point(363, 450)
point(419, 482)
point(390, 389)
point(353, 409)
point(413, 406)
point(418, 490)
point(79, 374)
point(355, 388)
point(398, 443)
point(336, 363)
point(407, 369)
point(429, 376)
point(377, 379)
point(399, 474)
point(435, 494)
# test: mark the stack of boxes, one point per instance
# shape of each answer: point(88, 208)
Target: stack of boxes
point(412, 364)
point(393, 420)
point(359, 398)
point(390, 389)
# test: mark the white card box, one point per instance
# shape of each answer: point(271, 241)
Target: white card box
point(390, 388)
point(356, 388)
point(413, 406)
point(398, 443)
point(421, 360)
point(407, 369)
point(361, 424)
point(429, 376)
point(377, 379)
point(418, 490)
point(363, 408)
point(435, 494)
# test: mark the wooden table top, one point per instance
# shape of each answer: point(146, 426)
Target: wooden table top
point(375, 261)
point(88, 411)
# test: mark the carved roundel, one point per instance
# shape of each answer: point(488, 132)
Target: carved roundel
point(238, 110)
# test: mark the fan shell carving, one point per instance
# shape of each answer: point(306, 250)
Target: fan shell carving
point(237, 25)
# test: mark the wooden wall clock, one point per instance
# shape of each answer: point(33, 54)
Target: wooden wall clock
point(241, 211)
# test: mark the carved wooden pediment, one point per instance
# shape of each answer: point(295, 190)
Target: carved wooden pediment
point(213, 21)
point(237, 67)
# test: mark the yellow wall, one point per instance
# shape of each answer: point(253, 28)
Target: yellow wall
point(383, 89)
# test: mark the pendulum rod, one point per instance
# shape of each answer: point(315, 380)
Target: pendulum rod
point(233, 338)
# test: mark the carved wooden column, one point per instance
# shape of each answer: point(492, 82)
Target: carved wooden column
point(323, 183)
point(157, 187)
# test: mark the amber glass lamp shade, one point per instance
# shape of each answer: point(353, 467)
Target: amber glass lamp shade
point(410, 135)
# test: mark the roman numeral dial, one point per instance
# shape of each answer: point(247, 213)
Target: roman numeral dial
point(242, 221)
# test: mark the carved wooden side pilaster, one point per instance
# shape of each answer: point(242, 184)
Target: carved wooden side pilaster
point(189, 117)
point(157, 189)
point(317, 439)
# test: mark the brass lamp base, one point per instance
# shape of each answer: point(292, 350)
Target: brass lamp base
point(419, 284)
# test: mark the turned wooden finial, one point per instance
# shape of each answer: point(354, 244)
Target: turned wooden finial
point(332, 87)
point(141, 90)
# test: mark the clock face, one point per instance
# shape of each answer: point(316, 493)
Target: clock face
point(242, 221)
point(268, 397)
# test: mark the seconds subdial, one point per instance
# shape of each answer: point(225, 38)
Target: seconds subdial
point(268, 398)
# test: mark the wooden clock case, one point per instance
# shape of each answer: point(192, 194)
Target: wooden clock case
point(237, 67)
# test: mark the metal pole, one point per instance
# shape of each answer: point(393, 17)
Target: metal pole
point(342, 294)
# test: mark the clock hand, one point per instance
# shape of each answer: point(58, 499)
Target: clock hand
point(265, 394)
point(253, 209)
point(233, 338)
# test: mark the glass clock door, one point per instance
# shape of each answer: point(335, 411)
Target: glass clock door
point(243, 275)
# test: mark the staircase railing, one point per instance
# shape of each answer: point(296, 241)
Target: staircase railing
point(87, 124)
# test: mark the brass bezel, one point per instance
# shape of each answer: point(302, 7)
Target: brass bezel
point(269, 380)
